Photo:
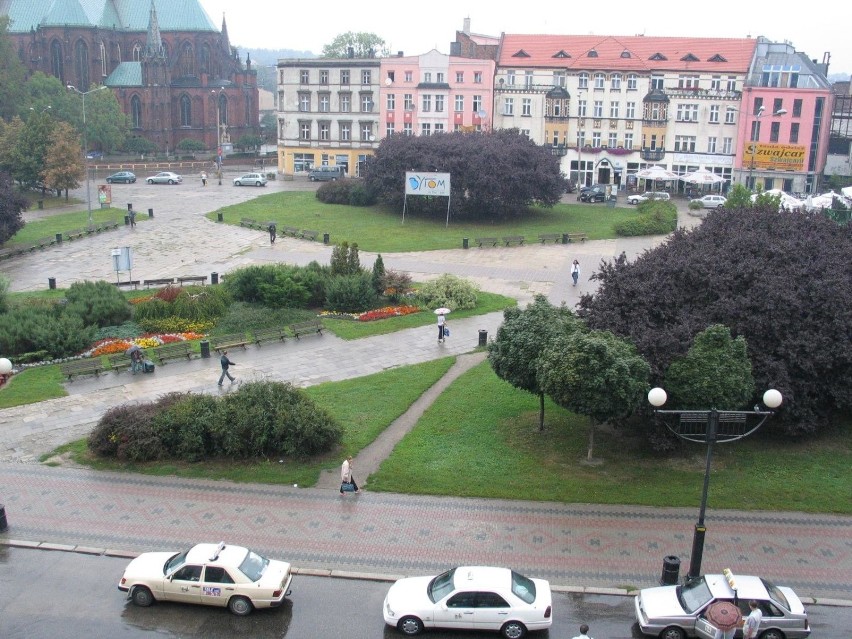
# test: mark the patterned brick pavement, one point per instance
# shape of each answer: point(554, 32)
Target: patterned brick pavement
point(572, 545)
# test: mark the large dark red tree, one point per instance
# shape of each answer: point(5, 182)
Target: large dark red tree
point(494, 174)
point(782, 280)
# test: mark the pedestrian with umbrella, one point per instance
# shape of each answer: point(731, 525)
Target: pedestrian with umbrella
point(135, 353)
point(725, 617)
point(443, 331)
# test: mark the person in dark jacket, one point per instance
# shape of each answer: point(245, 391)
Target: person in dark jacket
point(225, 364)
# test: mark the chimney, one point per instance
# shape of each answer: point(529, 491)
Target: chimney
point(466, 27)
point(350, 52)
point(400, 54)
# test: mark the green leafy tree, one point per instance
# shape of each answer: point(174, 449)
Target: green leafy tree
point(12, 205)
point(47, 91)
point(249, 142)
point(522, 338)
point(139, 145)
point(106, 124)
point(190, 145)
point(63, 165)
point(10, 135)
point(739, 197)
point(714, 373)
point(345, 259)
point(378, 274)
point(13, 95)
point(595, 374)
point(360, 45)
point(31, 150)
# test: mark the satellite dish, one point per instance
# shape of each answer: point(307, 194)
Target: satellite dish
point(388, 82)
point(481, 113)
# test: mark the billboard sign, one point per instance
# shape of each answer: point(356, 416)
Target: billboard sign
point(774, 157)
point(427, 183)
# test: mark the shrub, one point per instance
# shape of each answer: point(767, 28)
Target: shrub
point(203, 305)
point(345, 259)
point(126, 330)
point(151, 310)
point(450, 291)
point(395, 285)
point(282, 291)
point(351, 293)
point(188, 144)
point(351, 192)
point(378, 274)
point(39, 327)
point(97, 303)
point(279, 285)
point(655, 218)
point(182, 426)
point(695, 206)
point(127, 433)
point(4, 290)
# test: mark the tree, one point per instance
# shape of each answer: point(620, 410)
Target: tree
point(379, 274)
point(522, 338)
point(10, 135)
point(714, 373)
point(63, 165)
point(190, 145)
point(29, 153)
point(595, 374)
point(738, 197)
point(781, 280)
point(355, 45)
point(494, 174)
point(249, 142)
point(140, 145)
point(13, 95)
point(12, 205)
point(345, 259)
point(106, 124)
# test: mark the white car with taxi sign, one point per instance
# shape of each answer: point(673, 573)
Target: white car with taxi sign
point(470, 598)
point(208, 574)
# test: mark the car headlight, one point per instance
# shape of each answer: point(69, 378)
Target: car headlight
point(388, 609)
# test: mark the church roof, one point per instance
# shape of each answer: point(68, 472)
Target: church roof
point(126, 74)
point(125, 15)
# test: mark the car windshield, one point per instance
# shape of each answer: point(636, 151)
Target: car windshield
point(775, 594)
point(693, 595)
point(441, 586)
point(523, 587)
point(174, 562)
point(253, 565)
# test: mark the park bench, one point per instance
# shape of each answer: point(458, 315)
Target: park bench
point(133, 283)
point(120, 361)
point(162, 281)
point(309, 235)
point(109, 225)
point(269, 335)
point(198, 279)
point(513, 239)
point(89, 366)
point(12, 251)
point(44, 241)
point(224, 342)
point(481, 241)
point(303, 328)
point(290, 230)
point(577, 237)
point(73, 234)
point(175, 350)
point(250, 223)
point(555, 237)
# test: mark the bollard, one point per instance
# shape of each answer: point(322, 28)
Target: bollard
point(220, 217)
point(150, 213)
point(325, 238)
point(464, 242)
point(51, 283)
point(565, 238)
point(4, 525)
point(205, 348)
point(483, 337)
point(214, 277)
point(59, 238)
point(41, 204)
point(126, 220)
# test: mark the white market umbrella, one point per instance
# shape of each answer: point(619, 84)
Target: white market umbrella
point(787, 201)
point(656, 173)
point(847, 191)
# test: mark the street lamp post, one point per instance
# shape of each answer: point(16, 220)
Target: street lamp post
point(218, 94)
point(755, 137)
point(709, 427)
point(86, 144)
point(580, 141)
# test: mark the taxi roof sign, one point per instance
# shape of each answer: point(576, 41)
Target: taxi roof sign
point(729, 577)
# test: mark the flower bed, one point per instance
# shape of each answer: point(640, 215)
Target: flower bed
point(375, 314)
point(111, 345)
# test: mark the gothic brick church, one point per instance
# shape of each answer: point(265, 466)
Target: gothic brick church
point(168, 65)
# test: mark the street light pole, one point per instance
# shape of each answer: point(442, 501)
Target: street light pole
point(218, 95)
point(703, 426)
point(580, 141)
point(86, 143)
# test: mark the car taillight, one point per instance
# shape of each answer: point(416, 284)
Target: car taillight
point(277, 593)
point(124, 581)
point(547, 612)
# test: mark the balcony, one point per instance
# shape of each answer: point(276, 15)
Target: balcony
point(653, 155)
point(559, 149)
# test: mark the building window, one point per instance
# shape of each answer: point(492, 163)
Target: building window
point(304, 102)
point(426, 103)
point(716, 83)
point(711, 145)
point(427, 76)
point(774, 131)
point(583, 80)
point(732, 83)
point(613, 140)
point(632, 82)
point(687, 113)
point(408, 76)
point(345, 103)
point(758, 103)
point(615, 82)
point(687, 82)
point(366, 103)
point(324, 131)
point(613, 109)
point(581, 109)
point(477, 103)
point(528, 79)
point(797, 108)
point(597, 110)
point(526, 107)
point(406, 129)
point(439, 104)
point(777, 105)
point(794, 133)
point(304, 76)
point(510, 78)
point(185, 110)
point(439, 127)
point(81, 62)
point(388, 129)
point(730, 115)
point(628, 140)
point(596, 140)
point(323, 76)
point(727, 145)
point(631, 111)
point(600, 80)
point(477, 77)
point(559, 79)
point(391, 101)
point(657, 82)
point(366, 76)
point(408, 102)
point(136, 111)
point(324, 102)
point(509, 106)
point(439, 78)
point(366, 131)
point(425, 129)
point(685, 143)
point(459, 104)
point(714, 113)
point(303, 161)
point(344, 76)
point(304, 130)
point(459, 77)
point(346, 131)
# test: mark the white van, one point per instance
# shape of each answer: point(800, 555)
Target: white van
point(326, 173)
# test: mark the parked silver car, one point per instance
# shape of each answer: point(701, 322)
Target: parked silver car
point(165, 177)
point(250, 179)
point(636, 198)
point(711, 201)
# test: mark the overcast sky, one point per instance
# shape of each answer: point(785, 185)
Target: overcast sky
point(418, 27)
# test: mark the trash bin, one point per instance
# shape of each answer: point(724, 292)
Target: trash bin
point(214, 277)
point(220, 217)
point(565, 238)
point(150, 213)
point(3, 523)
point(59, 238)
point(325, 238)
point(126, 220)
point(205, 348)
point(610, 203)
point(671, 571)
point(464, 242)
point(51, 283)
point(483, 337)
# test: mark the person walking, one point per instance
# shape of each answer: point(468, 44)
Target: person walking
point(131, 214)
point(442, 321)
point(225, 362)
point(752, 622)
point(204, 178)
point(575, 271)
point(272, 231)
point(346, 476)
point(584, 632)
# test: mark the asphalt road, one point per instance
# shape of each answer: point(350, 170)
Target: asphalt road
point(46, 594)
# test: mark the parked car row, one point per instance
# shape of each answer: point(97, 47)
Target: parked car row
point(168, 177)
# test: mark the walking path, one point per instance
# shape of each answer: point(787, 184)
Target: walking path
point(582, 546)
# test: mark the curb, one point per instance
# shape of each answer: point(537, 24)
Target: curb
point(362, 576)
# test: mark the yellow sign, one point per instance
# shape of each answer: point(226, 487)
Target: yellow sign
point(774, 157)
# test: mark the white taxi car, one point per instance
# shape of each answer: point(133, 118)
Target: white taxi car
point(208, 574)
point(676, 612)
point(470, 598)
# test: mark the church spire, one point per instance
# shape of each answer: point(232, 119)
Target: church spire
point(226, 43)
point(154, 45)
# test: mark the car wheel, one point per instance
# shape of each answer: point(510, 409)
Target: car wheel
point(772, 633)
point(312, 179)
point(673, 632)
point(258, 184)
point(238, 183)
point(109, 181)
point(141, 596)
point(513, 630)
point(410, 626)
point(240, 606)
point(171, 181)
point(150, 181)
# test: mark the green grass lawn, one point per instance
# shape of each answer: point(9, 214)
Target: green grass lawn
point(61, 222)
point(378, 229)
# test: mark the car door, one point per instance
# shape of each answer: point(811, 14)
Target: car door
point(492, 611)
point(217, 586)
point(457, 611)
point(184, 585)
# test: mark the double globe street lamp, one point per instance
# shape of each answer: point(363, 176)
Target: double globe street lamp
point(709, 427)
point(85, 142)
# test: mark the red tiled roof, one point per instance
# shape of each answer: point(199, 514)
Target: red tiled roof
point(730, 55)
